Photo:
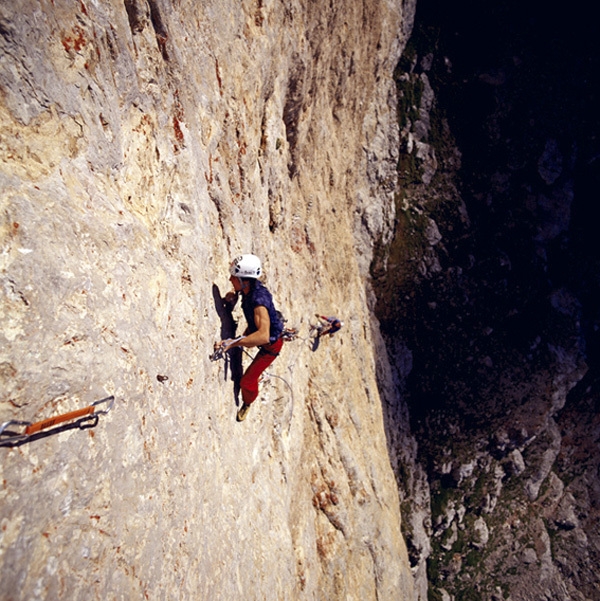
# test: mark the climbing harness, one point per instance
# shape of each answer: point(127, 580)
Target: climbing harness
point(89, 412)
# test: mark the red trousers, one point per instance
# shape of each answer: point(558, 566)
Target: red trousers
point(249, 382)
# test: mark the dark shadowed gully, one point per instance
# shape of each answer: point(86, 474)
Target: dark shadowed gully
point(492, 282)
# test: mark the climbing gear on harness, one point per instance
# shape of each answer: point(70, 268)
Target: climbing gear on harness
point(289, 334)
point(243, 412)
point(219, 348)
point(246, 266)
point(8, 436)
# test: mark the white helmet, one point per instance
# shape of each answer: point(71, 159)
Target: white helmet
point(246, 266)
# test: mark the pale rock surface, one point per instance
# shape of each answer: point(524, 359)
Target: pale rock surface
point(481, 533)
point(516, 463)
point(142, 145)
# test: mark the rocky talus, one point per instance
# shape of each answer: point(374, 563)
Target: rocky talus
point(143, 144)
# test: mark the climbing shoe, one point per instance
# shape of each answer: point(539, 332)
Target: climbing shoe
point(243, 412)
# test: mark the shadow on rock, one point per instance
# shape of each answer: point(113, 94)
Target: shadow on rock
point(233, 358)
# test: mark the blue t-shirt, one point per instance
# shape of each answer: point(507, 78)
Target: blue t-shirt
point(261, 297)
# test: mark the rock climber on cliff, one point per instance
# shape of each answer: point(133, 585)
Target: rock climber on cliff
point(265, 325)
point(327, 325)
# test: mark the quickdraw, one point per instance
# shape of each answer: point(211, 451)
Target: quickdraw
point(289, 334)
point(10, 437)
point(219, 348)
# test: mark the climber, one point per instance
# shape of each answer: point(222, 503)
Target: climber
point(328, 325)
point(265, 325)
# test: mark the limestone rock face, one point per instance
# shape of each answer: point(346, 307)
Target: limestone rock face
point(143, 144)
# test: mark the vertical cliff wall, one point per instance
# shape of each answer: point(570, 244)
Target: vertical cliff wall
point(142, 145)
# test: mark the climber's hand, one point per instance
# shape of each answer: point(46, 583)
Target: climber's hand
point(231, 298)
